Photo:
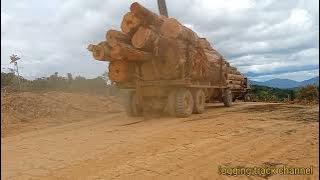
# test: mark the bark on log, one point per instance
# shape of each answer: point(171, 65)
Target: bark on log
point(171, 28)
point(148, 71)
point(212, 57)
point(204, 44)
point(234, 86)
point(144, 38)
point(235, 77)
point(127, 52)
point(145, 15)
point(234, 72)
point(113, 37)
point(130, 23)
point(234, 82)
point(233, 68)
point(120, 71)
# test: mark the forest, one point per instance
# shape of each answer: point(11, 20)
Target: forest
point(99, 85)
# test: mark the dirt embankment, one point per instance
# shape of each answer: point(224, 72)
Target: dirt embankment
point(84, 139)
point(21, 110)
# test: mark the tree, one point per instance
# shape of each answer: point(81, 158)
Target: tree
point(14, 59)
point(308, 93)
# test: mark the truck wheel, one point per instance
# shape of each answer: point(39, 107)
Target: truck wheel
point(184, 103)
point(199, 99)
point(227, 98)
point(171, 103)
point(247, 98)
point(133, 109)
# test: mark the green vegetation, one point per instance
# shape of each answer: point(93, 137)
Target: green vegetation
point(265, 93)
point(98, 85)
point(56, 83)
point(269, 94)
point(308, 93)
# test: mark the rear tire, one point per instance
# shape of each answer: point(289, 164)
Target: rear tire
point(133, 108)
point(227, 98)
point(171, 103)
point(183, 103)
point(199, 99)
point(247, 98)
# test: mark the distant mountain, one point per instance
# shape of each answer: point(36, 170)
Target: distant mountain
point(286, 83)
point(314, 80)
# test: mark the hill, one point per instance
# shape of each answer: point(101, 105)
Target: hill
point(286, 83)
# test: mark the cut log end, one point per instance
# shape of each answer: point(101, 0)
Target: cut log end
point(119, 71)
point(101, 51)
point(144, 38)
point(134, 6)
point(171, 28)
point(127, 52)
point(130, 23)
point(113, 37)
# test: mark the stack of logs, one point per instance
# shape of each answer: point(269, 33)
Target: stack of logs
point(235, 79)
point(154, 47)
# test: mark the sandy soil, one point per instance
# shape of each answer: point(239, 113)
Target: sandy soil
point(110, 145)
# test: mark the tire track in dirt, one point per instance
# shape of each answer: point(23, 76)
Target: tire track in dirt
point(174, 151)
point(163, 148)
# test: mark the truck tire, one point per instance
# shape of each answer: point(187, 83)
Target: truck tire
point(227, 98)
point(233, 99)
point(171, 103)
point(184, 103)
point(247, 98)
point(199, 99)
point(133, 109)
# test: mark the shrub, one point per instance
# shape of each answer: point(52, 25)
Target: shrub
point(308, 93)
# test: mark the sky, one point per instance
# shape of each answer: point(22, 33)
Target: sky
point(263, 39)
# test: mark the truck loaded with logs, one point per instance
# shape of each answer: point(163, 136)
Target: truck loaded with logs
point(166, 66)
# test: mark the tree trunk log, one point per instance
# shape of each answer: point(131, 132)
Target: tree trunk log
point(204, 44)
point(113, 37)
point(144, 38)
point(145, 15)
point(120, 71)
point(127, 52)
point(101, 52)
point(234, 86)
point(234, 82)
point(171, 28)
point(235, 77)
point(130, 23)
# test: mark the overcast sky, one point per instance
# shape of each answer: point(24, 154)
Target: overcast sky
point(265, 39)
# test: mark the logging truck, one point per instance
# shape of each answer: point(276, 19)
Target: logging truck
point(166, 66)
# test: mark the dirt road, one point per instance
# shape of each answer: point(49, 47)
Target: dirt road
point(113, 146)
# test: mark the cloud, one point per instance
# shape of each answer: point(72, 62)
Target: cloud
point(265, 38)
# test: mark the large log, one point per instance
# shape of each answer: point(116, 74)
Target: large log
point(145, 15)
point(234, 72)
point(235, 77)
point(101, 51)
point(148, 72)
point(120, 71)
point(113, 37)
point(204, 44)
point(130, 23)
point(234, 82)
point(233, 68)
point(212, 57)
point(127, 52)
point(232, 86)
point(171, 28)
point(144, 38)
